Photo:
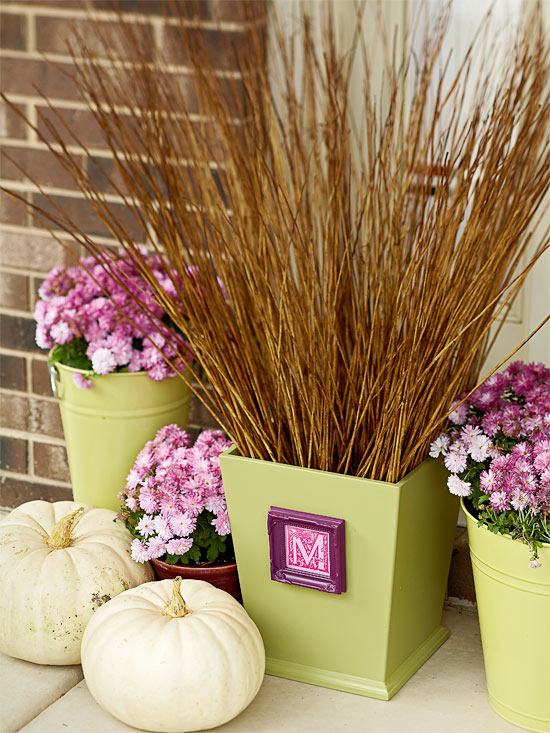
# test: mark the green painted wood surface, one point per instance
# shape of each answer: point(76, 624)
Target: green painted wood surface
point(399, 538)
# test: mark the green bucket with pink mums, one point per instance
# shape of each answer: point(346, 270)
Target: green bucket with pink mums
point(106, 426)
point(118, 367)
point(497, 450)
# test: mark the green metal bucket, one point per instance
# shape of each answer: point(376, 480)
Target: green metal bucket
point(372, 638)
point(106, 426)
point(513, 603)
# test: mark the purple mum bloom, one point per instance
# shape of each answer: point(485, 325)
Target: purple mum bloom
point(500, 435)
point(175, 487)
point(81, 381)
point(86, 302)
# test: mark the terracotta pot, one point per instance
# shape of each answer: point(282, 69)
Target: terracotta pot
point(224, 577)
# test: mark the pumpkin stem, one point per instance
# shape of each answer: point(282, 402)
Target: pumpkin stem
point(176, 608)
point(62, 534)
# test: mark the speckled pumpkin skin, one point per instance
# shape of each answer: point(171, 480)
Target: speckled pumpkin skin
point(47, 596)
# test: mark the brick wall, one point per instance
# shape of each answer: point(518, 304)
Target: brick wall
point(33, 461)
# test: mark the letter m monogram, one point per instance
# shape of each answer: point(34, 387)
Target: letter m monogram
point(307, 550)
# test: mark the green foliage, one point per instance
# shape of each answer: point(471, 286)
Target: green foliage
point(72, 354)
point(208, 547)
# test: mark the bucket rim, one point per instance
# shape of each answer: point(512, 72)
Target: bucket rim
point(89, 372)
point(469, 514)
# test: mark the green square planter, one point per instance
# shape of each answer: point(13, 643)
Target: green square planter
point(371, 639)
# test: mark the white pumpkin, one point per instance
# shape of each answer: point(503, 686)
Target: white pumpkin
point(162, 663)
point(58, 563)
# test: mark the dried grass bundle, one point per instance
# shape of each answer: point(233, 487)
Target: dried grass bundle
point(356, 303)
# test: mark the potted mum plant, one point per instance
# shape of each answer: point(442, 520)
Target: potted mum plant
point(357, 304)
point(497, 450)
point(174, 506)
point(112, 367)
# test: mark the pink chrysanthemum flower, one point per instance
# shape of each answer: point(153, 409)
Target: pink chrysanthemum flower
point(497, 450)
point(182, 524)
point(458, 487)
point(439, 446)
point(162, 527)
point(499, 500)
point(221, 523)
point(179, 546)
point(103, 361)
point(456, 460)
point(156, 547)
point(458, 414)
point(146, 525)
point(173, 491)
point(81, 381)
point(139, 551)
point(94, 309)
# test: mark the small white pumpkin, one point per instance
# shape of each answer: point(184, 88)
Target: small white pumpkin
point(58, 563)
point(162, 663)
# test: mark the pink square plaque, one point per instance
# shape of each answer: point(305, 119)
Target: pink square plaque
point(307, 549)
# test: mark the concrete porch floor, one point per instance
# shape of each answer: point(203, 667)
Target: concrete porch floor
point(448, 695)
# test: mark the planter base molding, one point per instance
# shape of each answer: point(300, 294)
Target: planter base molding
point(360, 685)
point(371, 638)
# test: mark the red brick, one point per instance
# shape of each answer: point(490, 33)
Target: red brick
point(162, 8)
point(190, 9)
point(13, 372)
point(53, 35)
point(217, 10)
point(31, 414)
point(35, 284)
point(15, 409)
point(13, 31)
point(13, 454)
point(87, 131)
point(14, 492)
point(11, 124)
point(75, 4)
point(230, 89)
point(461, 579)
point(45, 418)
point(221, 48)
point(199, 417)
point(17, 333)
point(185, 8)
point(39, 166)
point(105, 175)
point(14, 291)
point(12, 210)
point(40, 376)
point(50, 461)
point(82, 122)
point(25, 250)
point(30, 76)
point(238, 10)
point(81, 215)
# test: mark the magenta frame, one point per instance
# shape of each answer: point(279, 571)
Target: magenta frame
point(277, 519)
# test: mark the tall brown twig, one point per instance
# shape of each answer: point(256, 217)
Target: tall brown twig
point(357, 301)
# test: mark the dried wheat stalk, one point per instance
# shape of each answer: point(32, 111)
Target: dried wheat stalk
point(358, 304)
